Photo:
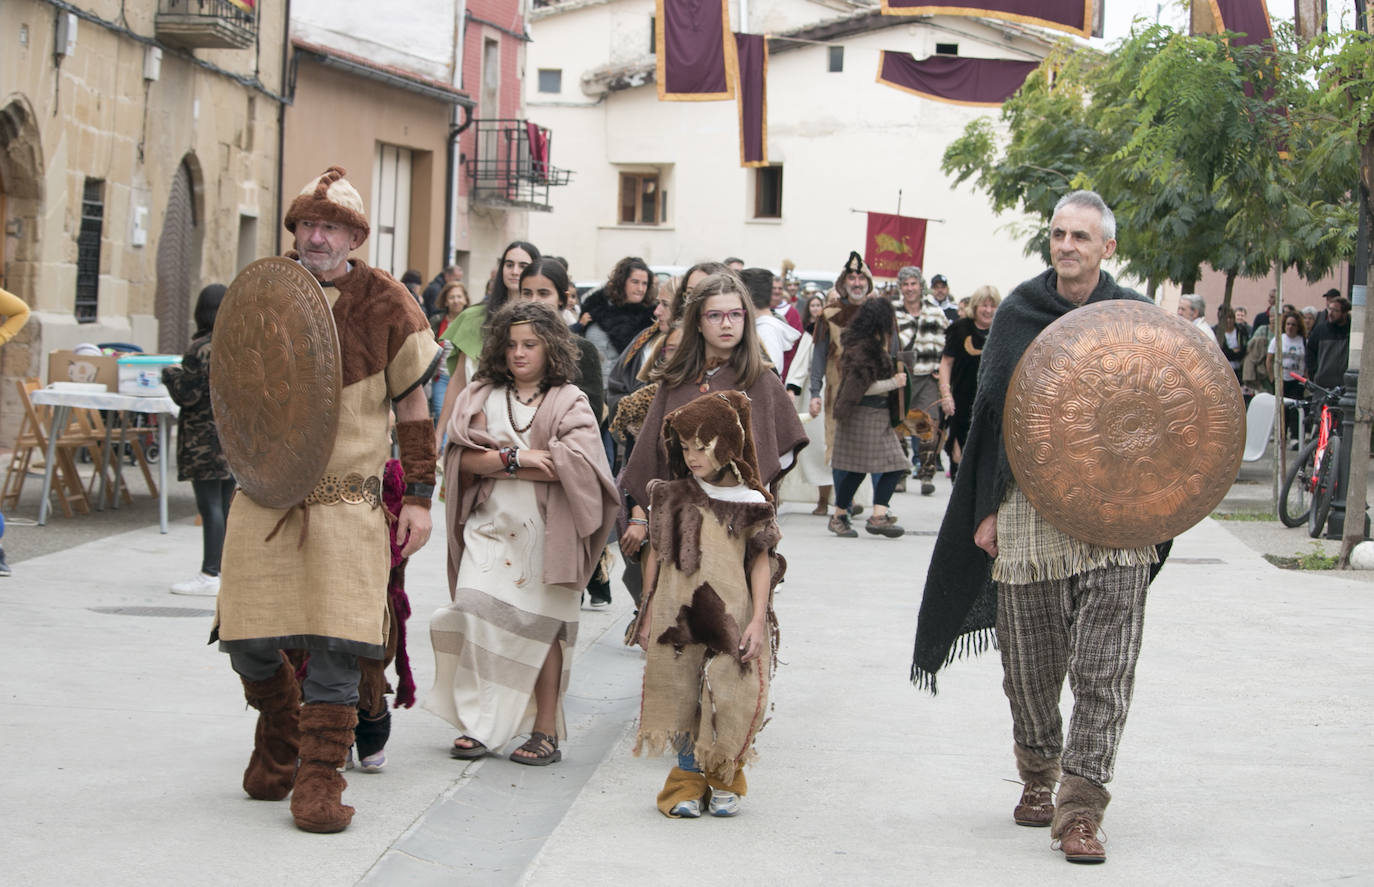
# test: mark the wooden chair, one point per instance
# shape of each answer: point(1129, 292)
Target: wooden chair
point(33, 436)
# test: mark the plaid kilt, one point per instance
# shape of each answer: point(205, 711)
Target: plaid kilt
point(866, 442)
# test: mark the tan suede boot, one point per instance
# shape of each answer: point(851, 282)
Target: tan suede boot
point(271, 770)
point(822, 501)
point(326, 733)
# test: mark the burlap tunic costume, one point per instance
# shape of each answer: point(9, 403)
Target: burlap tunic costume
point(324, 586)
point(698, 696)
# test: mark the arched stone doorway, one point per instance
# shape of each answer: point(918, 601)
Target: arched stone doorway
point(178, 262)
point(21, 202)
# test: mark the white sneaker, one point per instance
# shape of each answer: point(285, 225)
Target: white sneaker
point(372, 763)
point(724, 803)
point(686, 809)
point(202, 585)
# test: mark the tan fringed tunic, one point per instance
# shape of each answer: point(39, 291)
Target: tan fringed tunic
point(698, 695)
point(330, 592)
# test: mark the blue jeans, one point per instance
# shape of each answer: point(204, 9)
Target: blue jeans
point(436, 397)
point(687, 761)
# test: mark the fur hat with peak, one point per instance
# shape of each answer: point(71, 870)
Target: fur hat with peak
point(854, 263)
point(330, 198)
point(722, 421)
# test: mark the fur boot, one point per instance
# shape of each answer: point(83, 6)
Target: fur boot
point(326, 734)
point(1078, 797)
point(1039, 775)
point(272, 768)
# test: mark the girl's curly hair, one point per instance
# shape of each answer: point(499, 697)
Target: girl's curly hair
point(864, 336)
point(559, 351)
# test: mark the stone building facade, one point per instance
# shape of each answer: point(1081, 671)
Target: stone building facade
point(139, 145)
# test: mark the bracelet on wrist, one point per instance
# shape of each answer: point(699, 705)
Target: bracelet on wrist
point(639, 520)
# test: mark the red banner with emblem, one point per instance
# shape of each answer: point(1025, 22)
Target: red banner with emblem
point(894, 242)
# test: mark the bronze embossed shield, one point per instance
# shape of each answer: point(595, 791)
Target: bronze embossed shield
point(1124, 425)
point(275, 378)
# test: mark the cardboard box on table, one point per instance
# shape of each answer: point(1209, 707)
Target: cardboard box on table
point(68, 366)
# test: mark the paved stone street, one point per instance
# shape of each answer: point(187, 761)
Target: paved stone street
point(1247, 758)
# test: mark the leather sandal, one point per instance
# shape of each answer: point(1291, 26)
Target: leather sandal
point(467, 753)
point(541, 750)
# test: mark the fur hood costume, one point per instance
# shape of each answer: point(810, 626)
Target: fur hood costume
point(699, 694)
point(776, 430)
point(959, 604)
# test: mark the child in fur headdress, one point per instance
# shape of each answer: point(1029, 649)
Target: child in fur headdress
point(707, 622)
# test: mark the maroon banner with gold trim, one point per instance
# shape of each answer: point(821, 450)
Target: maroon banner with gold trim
point(1249, 18)
point(751, 51)
point(893, 242)
point(1074, 16)
point(954, 79)
point(695, 51)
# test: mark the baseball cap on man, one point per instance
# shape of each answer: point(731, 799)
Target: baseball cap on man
point(939, 279)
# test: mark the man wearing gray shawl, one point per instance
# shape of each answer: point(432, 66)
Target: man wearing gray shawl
point(1060, 606)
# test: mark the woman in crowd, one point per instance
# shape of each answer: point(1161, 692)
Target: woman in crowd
point(865, 442)
point(199, 457)
point(959, 368)
point(719, 351)
point(467, 330)
point(454, 299)
point(811, 468)
point(16, 313)
point(1293, 346)
point(811, 314)
point(626, 375)
point(1231, 338)
point(613, 315)
point(527, 525)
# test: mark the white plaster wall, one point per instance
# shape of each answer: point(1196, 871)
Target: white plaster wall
point(418, 35)
point(845, 143)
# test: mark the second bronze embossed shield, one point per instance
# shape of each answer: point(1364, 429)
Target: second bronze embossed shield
point(275, 378)
point(1124, 425)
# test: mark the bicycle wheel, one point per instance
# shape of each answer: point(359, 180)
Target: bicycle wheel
point(1296, 499)
point(1325, 488)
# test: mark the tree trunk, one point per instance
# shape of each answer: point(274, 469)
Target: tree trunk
point(1226, 296)
point(1357, 491)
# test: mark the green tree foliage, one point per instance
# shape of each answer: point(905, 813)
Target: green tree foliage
point(1208, 154)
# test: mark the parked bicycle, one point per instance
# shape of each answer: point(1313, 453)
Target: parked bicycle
point(1312, 478)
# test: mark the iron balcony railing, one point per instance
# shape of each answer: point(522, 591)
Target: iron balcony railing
point(510, 164)
point(207, 24)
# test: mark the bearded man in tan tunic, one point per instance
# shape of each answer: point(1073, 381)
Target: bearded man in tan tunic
point(313, 577)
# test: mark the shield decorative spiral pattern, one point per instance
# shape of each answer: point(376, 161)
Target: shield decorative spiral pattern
point(275, 380)
point(1124, 424)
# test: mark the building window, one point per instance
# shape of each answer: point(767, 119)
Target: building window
point(836, 59)
point(947, 49)
point(551, 80)
point(768, 192)
point(88, 251)
point(642, 199)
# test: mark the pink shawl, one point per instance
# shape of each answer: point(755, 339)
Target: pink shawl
point(583, 500)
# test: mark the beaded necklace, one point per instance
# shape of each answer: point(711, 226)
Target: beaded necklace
point(510, 408)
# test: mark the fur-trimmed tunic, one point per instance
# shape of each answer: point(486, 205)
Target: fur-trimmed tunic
point(697, 693)
point(325, 587)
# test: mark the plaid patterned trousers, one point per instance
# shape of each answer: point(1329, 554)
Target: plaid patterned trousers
point(1087, 626)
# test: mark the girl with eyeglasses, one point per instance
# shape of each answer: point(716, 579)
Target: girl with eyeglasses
point(719, 352)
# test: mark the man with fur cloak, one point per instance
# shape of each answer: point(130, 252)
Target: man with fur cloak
point(313, 577)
